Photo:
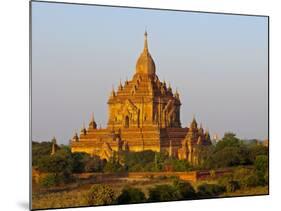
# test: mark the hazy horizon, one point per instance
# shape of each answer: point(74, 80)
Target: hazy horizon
point(218, 63)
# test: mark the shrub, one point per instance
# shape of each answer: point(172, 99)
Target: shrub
point(256, 150)
point(48, 180)
point(164, 193)
point(251, 180)
point(94, 164)
point(240, 173)
point(261, 163)
point(209, 190)
point(54, 179)
point(113, 166)
point(137, 160)
point(60, 162)
point(229, 183)
point(232, 186)
point(131, 195)
point(177, 165)
point(185, 188)
point(100, 195)
point(247, 177)
point(78, 164)
point(40, 150)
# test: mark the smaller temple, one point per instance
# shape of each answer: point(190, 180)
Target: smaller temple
point(192, 143)
point(54, 146)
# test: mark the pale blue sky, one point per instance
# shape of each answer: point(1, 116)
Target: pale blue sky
point(217, 62)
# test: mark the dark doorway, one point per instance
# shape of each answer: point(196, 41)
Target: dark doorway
point(127, 122)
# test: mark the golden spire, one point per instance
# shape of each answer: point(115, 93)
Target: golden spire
point(113, 92)
point(120, 85)
point(93, 124)
point(93, 117)
point(177, 95)
point(145, 41)
point(54, 146)
point(170, 89)
point(75, 137)
point(193, 124)
point(83, 130)
point(145, 63)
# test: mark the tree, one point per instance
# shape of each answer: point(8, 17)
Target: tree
point(256, 150)
point(94, 164)
point(60, 164)
point(79, 160)
point(100, 194)
point(178, 165)
point(164, 193)
point(137, 161)
point(246, 177)
point(261, 163)
point(48, 180)
point(131, 195)
point(230, 151)
point(113, 166)
point(228, 156)
point(40, 150)
point(229, 183)
point(229, 140)
point(261, 168)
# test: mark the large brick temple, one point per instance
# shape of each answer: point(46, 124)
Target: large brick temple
point(143, 114)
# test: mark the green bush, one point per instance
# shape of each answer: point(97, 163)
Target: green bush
point(131, 195)
point(257, 150)
point(113, 166)
point(240, 173)
point(229, 183)
point(164, 193)
point(60, 162)
point(137, 160)
point(232, 186)
point(209, 190)
point(79, 159)
point(48, 180)
point(185, 188)
point(94, 164)
point(100, 194)
point(261, 164)
point(251, 180)
point(177, 165)
point(231, 151)
point(247, 178)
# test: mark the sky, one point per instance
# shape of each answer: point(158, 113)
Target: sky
point(217, 62)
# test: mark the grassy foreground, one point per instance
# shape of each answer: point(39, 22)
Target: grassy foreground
point(75, 195)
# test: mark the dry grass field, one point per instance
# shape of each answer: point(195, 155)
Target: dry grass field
point(74, 194)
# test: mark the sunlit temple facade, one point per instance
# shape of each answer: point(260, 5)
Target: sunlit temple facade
point(143, 114)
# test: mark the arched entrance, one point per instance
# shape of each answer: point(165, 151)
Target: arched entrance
point(127, 122)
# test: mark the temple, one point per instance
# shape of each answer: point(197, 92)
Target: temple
point(143, 114)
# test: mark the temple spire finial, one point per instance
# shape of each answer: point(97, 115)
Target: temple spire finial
point(145, 41)
point(93, 117)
